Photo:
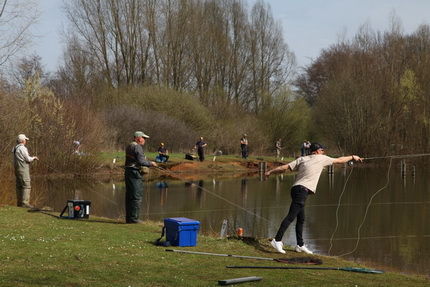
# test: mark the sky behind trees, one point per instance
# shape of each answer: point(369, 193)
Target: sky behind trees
point(309, 25)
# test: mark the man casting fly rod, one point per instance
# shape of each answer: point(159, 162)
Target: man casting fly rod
point(309, 170)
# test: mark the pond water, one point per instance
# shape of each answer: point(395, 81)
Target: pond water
point(373, 215)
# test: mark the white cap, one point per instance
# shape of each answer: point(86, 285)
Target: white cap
point(22, 137)
point(140, 134)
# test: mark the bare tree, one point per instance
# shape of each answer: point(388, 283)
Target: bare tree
point(27, 67)
point(16, 18)
point(371, 93)
point(207, 47)
point(174, 58)
point(271, 62)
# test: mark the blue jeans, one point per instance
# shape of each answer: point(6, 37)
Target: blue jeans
point(299, 194)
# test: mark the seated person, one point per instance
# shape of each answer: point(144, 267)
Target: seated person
point(163, 153)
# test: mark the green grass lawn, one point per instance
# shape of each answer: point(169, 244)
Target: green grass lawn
point(38, 249)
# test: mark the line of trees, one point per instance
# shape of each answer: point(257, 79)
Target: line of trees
point(183, 69)
point(176, 69)
point(232, 59)
point(214, 49)
point(371, 94)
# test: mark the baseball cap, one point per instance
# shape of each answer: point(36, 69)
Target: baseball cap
point(22, 137)
point(316, 146)
point(140, 134)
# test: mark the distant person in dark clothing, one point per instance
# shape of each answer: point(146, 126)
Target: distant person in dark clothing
point(308, 148)
point(163, 153)
point(303, 148)
point(244, 146)
point(200, 145)
point(135, 159)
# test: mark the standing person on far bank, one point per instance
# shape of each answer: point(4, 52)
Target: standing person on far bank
point(200, 145)
point(278, 148)
point(308, 148)
point(244, 146)
point(21, 161)
point(309, 170)
point(134, 160)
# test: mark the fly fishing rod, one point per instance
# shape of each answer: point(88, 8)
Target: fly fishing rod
point(397, 156)
point(351, 163)
point(295, 260)
point(350, 269)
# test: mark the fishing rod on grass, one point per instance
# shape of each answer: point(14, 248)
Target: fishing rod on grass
point(294, 260)
point(350, 269)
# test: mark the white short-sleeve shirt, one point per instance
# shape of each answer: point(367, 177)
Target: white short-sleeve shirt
point(309, 169)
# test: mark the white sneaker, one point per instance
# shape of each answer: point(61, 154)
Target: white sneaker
point(278, 246)
point(303, 249)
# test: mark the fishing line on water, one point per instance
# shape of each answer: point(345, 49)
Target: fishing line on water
point(266, 220)
point(83, 185)
point(213, 193)
point(337, 209)
point(183, 179)
point(365, 213)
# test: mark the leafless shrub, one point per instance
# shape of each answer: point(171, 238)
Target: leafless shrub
point(125, 120)
point(13, 121)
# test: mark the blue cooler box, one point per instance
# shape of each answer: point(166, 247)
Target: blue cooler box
point(181, 231)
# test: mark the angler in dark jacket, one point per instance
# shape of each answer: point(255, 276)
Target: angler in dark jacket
point(135, 159)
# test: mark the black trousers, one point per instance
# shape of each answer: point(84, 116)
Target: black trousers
point(299, 194)
point(244, 148)
point(201, 154)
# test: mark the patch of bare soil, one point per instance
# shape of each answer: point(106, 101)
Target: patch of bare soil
point(193, 170)
point(203, 170)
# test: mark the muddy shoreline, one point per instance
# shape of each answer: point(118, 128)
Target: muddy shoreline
point(186, 171)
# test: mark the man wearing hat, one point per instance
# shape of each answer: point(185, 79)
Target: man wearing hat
point(134, 160)
point(21, 162)
point(309, 170)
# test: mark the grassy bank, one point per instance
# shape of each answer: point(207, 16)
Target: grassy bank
point(38, 249)
point(225, 165)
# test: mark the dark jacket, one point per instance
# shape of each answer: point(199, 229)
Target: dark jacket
point(134, 156)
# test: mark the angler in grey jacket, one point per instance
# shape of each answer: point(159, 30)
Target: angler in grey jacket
point(21, 161)
point(134, 160)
